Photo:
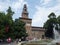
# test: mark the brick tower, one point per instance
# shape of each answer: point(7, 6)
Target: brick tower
point(27, 20)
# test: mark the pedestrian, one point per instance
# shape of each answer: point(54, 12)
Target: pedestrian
point(17, 40)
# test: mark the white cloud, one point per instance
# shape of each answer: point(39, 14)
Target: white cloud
point(18, 4)
point(15, 5)
point(41, 15)
point(0, 7)
point(46, 2)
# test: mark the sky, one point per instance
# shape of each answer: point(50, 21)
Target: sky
point(38, 9)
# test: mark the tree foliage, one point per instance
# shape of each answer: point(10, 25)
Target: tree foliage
point(49, 25)
point(11, 28)
point(20, 29)
point(58, 19)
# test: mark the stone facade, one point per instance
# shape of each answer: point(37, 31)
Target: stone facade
point(33, 32)
point(38, 32)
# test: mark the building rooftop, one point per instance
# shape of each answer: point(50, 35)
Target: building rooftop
point(38, 28)
point(25, 18)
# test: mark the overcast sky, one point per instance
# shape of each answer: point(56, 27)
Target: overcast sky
point(38, 9)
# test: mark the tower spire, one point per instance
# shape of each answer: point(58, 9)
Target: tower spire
point(25, 12)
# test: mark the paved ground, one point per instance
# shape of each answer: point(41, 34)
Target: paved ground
point(12, 43)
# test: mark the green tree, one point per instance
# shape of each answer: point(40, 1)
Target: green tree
point(58, 20)
point(9, 13)
point(20, 30)
point(2, 28)
point(9, 23)
point(49, 25)
point(11, 28)
point(6, 23)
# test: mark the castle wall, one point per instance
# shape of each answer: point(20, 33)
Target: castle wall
point(33, 32)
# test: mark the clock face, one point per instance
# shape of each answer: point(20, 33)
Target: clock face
point(27, 24)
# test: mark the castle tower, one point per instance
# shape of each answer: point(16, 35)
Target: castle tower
point(27, 20)
point(25, 12)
